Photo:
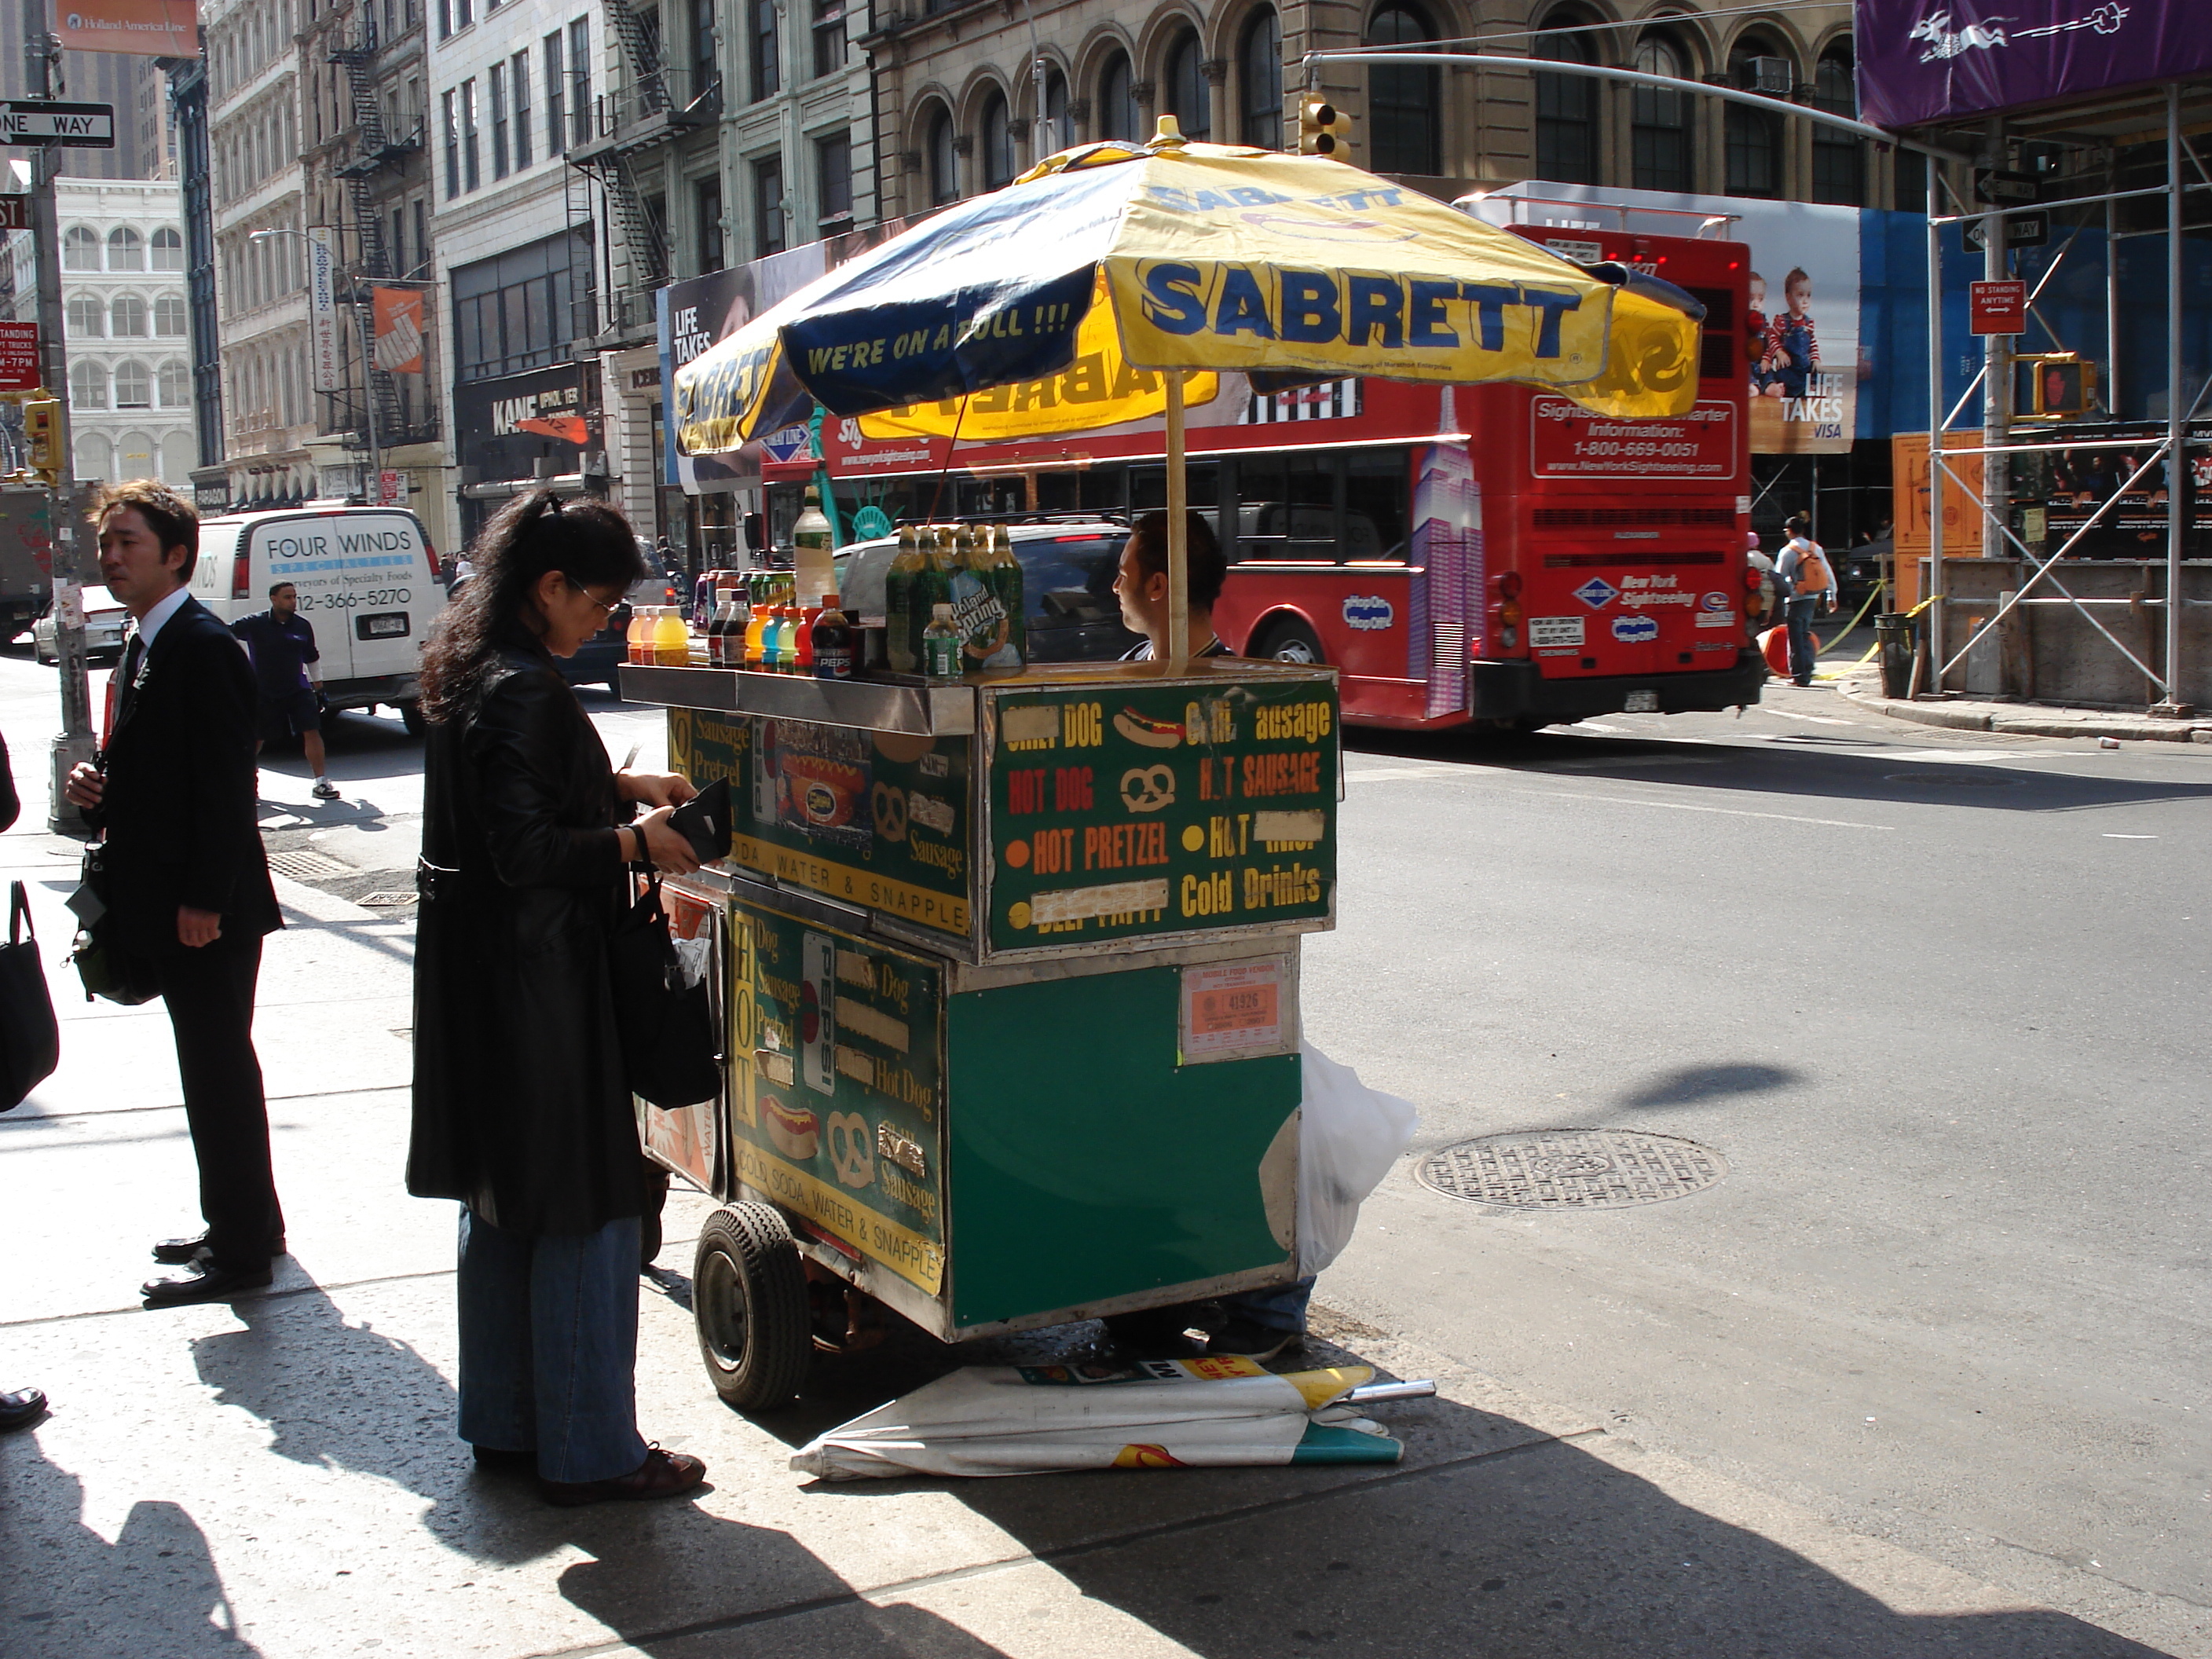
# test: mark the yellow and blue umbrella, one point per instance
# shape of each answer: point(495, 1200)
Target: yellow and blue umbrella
point(1206, 257)
point(1097, 281)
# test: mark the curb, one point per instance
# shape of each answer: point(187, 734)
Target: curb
point(1970, 717)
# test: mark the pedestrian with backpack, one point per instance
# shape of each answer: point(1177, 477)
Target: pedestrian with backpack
point(1805, 579)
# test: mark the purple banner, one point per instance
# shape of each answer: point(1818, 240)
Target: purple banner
point(1929, 60)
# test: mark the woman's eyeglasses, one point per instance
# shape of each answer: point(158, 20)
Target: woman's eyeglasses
point(606, 607)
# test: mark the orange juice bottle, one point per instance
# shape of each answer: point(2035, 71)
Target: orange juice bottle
point(671, 642)
point(756, 646)
point(641, 634)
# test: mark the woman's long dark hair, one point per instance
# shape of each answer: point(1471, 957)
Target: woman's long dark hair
point(589, 542)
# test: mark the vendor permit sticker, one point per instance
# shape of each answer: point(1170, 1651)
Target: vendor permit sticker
point(1232, 1011)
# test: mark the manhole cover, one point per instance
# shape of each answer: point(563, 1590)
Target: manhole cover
point(1572, 1168)
point(303, 865)
point(380, 901)
point(1954, 780)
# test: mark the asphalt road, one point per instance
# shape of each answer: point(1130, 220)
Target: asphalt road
point(1939, 1000)
point(1936, 998)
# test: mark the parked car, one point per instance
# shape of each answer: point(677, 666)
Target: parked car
point(103, 629)
point(1067, 586)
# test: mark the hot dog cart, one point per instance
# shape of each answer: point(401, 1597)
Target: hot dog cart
point(1008, 969)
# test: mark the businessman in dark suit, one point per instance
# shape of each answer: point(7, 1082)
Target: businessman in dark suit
point(187, 880)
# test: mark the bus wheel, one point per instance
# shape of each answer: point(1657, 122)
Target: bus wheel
point(1290, 641)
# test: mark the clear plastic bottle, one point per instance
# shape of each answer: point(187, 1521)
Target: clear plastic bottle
point(811, 539)
point(753, 654)
point(641, 634)
point(940, 643)
point(723, 629)
point(901, 627)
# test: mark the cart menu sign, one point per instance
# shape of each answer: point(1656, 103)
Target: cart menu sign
point(836, 1085)
point(1129, 808)
point(876, 819)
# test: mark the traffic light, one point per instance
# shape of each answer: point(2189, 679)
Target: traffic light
point(42, 433)
point(2053, 385)
point(1323, 129)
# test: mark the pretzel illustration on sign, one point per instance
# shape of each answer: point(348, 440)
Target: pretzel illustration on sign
point(889, 806)
point(1148, 788)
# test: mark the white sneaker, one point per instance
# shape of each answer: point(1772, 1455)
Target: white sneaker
point(325, 790)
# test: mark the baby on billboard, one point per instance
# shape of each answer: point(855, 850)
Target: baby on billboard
point(1790, 356)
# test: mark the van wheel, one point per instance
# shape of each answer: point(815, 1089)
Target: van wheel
point(410, 716)
point(1290, 641)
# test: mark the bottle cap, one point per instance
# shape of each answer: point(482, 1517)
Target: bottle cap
point(830, 599)
point(940, 613)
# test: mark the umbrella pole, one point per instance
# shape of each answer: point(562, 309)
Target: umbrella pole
point(1178, 530)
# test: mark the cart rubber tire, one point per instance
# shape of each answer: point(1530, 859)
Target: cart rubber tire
point(1290, 639)
point(748, 1302)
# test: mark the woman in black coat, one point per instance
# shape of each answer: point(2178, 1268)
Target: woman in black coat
point(520, 1109)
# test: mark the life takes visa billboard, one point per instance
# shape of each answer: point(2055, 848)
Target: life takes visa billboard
point(1801, 333)
point(1931, 60)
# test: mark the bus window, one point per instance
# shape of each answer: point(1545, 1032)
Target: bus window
point(1375, 506)
point(1148, 487)
point(1286, 514)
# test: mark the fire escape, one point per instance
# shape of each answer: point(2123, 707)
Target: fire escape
point(380, 150)
point(651, 112)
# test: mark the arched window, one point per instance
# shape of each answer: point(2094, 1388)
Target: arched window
point(177, 457)
point(126, 249)
point(87, 386)
point(169, 315)
point(134, 455)
point(175, 384)
point(87, 316)
point(1566, 108)
point(1055, 109)
point(95, 458)
point(168, 250)
point(129, 316)
point(1188, 97)
point(1259, 81)
point(944, 164)
point(1117, 102)
point(1405, 103)
point(1754, 136)
point(80, 249)
point(997, 141)
point(1839, 159)
point(134, 385)
point(1659, 129)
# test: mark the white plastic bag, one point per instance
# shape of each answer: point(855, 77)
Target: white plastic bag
point(1349, 1135)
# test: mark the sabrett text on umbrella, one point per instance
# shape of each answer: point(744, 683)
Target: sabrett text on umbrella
point(1320, 307)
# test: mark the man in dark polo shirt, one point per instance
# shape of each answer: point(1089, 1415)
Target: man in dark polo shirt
point(282, 642)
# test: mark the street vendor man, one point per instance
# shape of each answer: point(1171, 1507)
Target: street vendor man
point(1141, 583)
point(1257, 1324)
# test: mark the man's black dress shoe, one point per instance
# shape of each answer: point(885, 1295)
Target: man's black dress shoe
point(20, 1409)
point(175, 1252)
point(201, 1281)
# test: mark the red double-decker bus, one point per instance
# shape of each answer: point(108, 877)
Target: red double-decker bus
point(1489, 553)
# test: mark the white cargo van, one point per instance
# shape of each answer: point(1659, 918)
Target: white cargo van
point(368, 581)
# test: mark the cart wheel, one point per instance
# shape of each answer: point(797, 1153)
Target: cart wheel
point(748, 1298)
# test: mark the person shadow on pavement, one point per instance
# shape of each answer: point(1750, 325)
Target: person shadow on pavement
point(66, 1591)
point(1492, 1538)
point(340, 1395)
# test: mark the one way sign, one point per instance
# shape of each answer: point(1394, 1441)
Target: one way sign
point(42, 121)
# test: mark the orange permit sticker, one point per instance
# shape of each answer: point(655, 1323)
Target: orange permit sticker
point(1232, 1007)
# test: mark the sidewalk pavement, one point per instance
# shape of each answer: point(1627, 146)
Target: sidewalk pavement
point(1863, 687)
point(280, 1476)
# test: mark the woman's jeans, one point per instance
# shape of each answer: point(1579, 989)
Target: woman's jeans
point(1799, 615)
point(548, 1346)
point(1280, 1309)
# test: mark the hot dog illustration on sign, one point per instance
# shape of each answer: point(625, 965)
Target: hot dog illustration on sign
point(1151, 734)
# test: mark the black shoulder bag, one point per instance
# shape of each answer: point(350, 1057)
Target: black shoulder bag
point(670, 1056)
point(30, 1042)
point(105, 965)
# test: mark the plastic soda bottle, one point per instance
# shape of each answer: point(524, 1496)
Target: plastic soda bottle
point(753, 653)
point(811, 550)
point(940, 643)
point(835, 641)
